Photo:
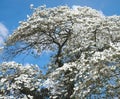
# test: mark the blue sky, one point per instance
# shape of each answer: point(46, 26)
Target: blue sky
point(13, 11)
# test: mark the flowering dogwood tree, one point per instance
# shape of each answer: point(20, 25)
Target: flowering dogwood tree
point(86, 63)
point(21, 82)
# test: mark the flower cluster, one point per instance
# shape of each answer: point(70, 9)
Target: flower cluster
point(15, 78)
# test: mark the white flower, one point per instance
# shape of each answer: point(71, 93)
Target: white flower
point(54, 97)
point(31, 6)
point(48, 83)
point(31, 97)
point(3, 80)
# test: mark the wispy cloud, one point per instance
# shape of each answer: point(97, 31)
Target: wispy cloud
point(75, 7)
point(3, 33)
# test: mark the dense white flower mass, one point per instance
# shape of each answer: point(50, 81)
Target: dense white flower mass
point(86, 63)
point(19, 81)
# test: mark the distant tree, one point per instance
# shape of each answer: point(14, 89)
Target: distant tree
point(86, 43)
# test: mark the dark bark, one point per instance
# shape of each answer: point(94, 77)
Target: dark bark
point(69, 84)
point(36, 95)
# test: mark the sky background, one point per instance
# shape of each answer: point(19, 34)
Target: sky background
point(13, 11)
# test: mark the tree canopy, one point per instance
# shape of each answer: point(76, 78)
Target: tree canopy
point(86, 63)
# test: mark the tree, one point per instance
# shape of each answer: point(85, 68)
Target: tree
point(86, 45)
point(21, 82)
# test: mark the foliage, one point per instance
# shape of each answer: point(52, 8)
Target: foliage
point(86, 43)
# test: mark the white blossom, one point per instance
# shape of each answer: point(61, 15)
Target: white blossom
point(86, 46)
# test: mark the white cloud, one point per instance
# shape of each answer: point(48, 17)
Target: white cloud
point(3, 33)
point(75, 7)
point(1, 40)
